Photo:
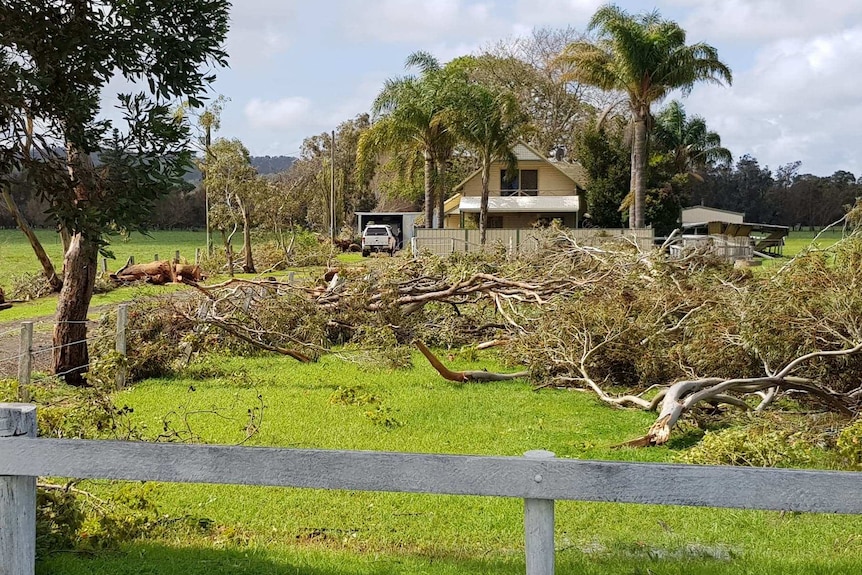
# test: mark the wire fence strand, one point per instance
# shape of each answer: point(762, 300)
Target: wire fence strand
point(79, 342)
point(61, 374)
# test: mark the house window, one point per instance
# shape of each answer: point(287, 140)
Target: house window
point(495, 222)
point(525, 183)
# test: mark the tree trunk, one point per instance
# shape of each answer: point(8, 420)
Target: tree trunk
point(429, 191)
point(248, 260)
point(483, 206)
point(54, 281)
point(228, 252)
point(639, 165)
point(440, 180)
point(70, 354)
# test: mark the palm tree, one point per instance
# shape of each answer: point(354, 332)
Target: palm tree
point(692, 147)
point(487, 121)
point(410, 122)
point(645, 57)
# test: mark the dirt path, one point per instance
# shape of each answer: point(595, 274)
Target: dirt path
point(43, 327)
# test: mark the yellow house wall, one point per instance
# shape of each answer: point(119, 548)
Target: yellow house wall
point(552, 182)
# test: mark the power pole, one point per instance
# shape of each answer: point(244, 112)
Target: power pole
point(332, 188)
point(206, 188)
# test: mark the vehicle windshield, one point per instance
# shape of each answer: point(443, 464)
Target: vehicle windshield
point(376, 232)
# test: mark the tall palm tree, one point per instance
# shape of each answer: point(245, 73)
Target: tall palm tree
point(410, 121)
point(692, 146)
point(489, 122)
point(645, 57)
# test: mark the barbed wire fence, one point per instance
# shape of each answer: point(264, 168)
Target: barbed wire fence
point(32, 358)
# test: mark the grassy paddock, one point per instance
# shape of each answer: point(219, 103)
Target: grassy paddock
point(16, 255)
point(339, 404)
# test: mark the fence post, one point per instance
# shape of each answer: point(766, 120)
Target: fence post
point(122, 321)
point(177, 257)
point(197, 256)
point(104, 265)
point(25, 361)
point(155, 257)
point(17, 498)
point(539, 527)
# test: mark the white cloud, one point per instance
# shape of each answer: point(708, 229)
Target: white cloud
point(800, 101)
point(421, 21)
point(758, 20)
point(556, 13)
point(285, 113)
point(259, 29)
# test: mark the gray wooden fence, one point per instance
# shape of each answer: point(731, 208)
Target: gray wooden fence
point(539, 479)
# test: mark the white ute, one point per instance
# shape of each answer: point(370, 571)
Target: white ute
point(378, 238)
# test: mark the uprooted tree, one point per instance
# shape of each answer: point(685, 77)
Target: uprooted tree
point(638, 329)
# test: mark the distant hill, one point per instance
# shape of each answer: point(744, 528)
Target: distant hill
point(272, 164)
point(263, 164)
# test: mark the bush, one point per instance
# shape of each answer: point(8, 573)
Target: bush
point(766, 442)
point(849, 446)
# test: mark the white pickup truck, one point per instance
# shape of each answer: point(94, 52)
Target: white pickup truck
point(378, 238)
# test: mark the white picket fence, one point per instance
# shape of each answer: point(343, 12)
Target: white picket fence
point(538, 478)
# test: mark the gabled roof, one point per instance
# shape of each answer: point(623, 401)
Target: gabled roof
point(526, 153)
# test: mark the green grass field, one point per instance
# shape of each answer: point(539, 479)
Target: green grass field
point(318, 532)
point(16, 255)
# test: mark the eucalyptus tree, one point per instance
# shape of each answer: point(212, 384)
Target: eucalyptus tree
point(235, 188)
point(529, 67)
point(57, 60)
point(645, 57)
point(409, 115)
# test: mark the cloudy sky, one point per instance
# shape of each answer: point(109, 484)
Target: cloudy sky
point(299, 68)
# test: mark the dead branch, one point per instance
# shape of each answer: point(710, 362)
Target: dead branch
point(465, 376)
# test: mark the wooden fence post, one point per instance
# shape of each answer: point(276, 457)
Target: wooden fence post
point(177, 257)
point(104, 265)
point(197, 256)
point(25, 361)
point(539, 527)
point(155, 257)
point(122, 321)
point(17, 498)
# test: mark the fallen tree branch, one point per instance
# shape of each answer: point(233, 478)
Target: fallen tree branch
point(465, 376)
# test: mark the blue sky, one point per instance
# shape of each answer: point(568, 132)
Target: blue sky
point(300, 68)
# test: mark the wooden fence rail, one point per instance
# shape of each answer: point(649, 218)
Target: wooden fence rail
point(538, 478)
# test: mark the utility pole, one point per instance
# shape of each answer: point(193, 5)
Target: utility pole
point(332, 188)
point(206, 187)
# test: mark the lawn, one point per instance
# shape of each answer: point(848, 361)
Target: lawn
point(337, 403)
point(16, 255)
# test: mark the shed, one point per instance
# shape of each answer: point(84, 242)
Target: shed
point(402, 223)
point(698, 214)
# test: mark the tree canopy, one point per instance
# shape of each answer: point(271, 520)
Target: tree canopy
point(645, 57)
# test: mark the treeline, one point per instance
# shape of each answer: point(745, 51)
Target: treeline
point(184, 207)
point(784, 197)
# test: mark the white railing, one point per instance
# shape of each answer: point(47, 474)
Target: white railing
point(442, 242)
point(538, 478)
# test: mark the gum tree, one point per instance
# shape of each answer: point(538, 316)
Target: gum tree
point(101, 176)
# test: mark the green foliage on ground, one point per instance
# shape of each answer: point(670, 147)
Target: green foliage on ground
point(337, 403)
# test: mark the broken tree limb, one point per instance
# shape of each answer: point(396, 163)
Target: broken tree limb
point(465, 376)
